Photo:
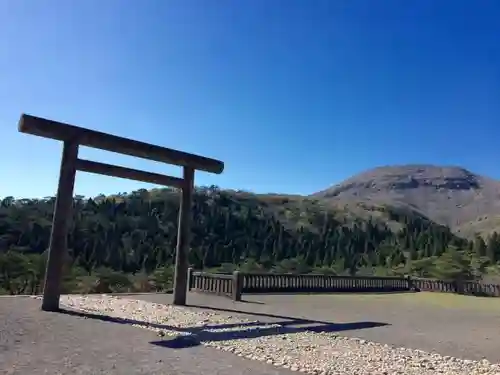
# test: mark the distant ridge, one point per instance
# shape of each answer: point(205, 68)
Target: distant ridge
point(449, 195)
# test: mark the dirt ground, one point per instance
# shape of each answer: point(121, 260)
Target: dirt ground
point(33, 342)
point(36, 342)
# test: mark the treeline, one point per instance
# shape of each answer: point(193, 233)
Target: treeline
point(127, 242)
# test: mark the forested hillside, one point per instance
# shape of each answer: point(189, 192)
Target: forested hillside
point(127, 242)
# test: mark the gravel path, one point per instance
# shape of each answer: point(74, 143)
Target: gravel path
point(402, 320)
point(33, 342)
point(284, 345)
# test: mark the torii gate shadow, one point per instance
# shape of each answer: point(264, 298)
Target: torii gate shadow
point(193, 336)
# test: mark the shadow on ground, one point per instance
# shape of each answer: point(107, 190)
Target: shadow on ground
point(252, 302)
point(193, 336)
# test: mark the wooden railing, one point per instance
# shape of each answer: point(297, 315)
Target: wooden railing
point(308, 283)
point(235, 284)
point(466, 287)
point(221, 284)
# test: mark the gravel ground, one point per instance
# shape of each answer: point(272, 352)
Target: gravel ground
point(284, 344)
point(409, 320)
point(266, 328)
point(33, 342)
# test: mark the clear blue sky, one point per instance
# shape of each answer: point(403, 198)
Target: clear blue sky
point(293, 95)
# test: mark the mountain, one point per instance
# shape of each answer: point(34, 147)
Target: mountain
point(466, 202)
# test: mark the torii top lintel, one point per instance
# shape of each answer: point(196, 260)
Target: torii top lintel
point(86, 137)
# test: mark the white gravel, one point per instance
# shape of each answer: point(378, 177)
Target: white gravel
point(304, 351)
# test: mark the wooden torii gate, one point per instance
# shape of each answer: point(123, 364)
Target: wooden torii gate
point(72, 137)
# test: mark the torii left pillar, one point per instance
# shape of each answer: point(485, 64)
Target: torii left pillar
point(59, 237)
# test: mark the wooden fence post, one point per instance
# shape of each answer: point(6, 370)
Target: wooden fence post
point(237, 285)
point(190, 279)
point(411, 287)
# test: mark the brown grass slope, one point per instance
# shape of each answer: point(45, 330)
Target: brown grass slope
point(452, 196)
point(295, 211)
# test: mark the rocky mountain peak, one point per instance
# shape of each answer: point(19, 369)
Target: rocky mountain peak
point(449, 195)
